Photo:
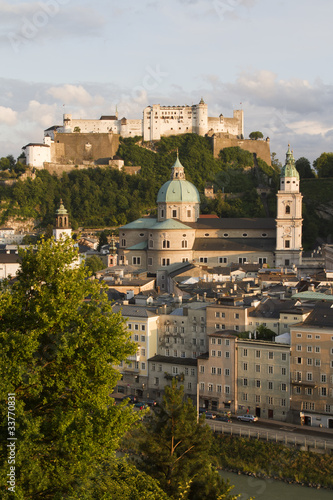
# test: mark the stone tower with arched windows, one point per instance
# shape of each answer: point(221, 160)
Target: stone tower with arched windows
point(289, 216)
point(62, 228)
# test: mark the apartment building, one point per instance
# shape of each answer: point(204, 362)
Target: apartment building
point(162, 369)
point(312, 368)
point(244, 375)
point(143, 327)
point(228, 313)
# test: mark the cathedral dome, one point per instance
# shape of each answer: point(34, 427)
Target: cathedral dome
point(178, 190)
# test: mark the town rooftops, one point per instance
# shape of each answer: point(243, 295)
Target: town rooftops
point(321, 316)
point(134, 311)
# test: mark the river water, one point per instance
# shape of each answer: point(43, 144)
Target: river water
point(270, 489)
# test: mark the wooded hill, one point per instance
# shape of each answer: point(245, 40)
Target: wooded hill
point(105, 197)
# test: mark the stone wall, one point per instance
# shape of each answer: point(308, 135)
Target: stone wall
point(260, 147)
point(77, 148)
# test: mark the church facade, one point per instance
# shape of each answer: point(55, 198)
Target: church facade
point(180, 234)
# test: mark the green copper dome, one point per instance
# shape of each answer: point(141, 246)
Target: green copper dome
point(61, 210)
point(178, 190)
point(289, 169)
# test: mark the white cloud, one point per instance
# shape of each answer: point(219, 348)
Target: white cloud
point(74, 95)
point(8, 115)
point(43, 115)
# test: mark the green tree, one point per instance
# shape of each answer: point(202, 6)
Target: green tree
point(94, 264)
point(304, 169)
point(256, 135)
point(59, 343)
point(265, 333)
point(324, 165)
point(103, 240)
point(175, 449)
point(276, 164)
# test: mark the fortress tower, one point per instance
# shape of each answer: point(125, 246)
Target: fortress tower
point(289, 216)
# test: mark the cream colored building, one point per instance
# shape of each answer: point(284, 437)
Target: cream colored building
point(312, 368)
point(245, 376)
point(289, 216)
point(179, 234)
point(159, 121)
point(143, 327)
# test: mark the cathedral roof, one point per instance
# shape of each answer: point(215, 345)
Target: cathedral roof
point(178, 190)
point(289, 169)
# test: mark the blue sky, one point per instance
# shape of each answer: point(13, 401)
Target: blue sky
point(86, 58)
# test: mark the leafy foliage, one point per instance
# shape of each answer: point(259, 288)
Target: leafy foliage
point(324, 165)
point(304, 169)
point(175, 449)
point(256, 135)
point(94, 264)
point(273, 460)
point(57, 354)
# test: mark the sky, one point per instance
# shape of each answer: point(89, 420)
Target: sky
point(271, 58)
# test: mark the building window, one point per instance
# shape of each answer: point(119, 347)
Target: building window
point(165, 262)
point(162, 214)
point(227, 354)
point(184, 243)
point(213, 341)
point(213, 353)
point(270, 385)
point(219, 388)
point(245, 381)
point(283, 387)
point(203, 260)
point(284, 356)
point(270, 370)
point(245, 366)
point(202, 369)
point(174, 214)
point(309, 391)
point(262, 260)
point(257, 398)
point(136, 338)
point(244, 352)
point(227, 389)
point(244, 396)
point(287, 244)
point(150, 261)
point(189, 213)
point(257, 354)
point(323, 378)
point(270, 400)
point(270, 355)
point(123, 242)
point(213, 370)
point(156, 381)
point(258, 368)
point(227, 372)
point(283, 371)
point(166, 244)
point(258, 383)
point(210, 387)
point(175, 370)
point(223, 260)
point(143, 366)
point(202, 386)
point(287, 209)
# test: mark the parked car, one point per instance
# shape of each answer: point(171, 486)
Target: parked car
point(132, 399)
point(141, 404)
point(209, 414)
point(247, 418)
point(222, 418)
point(151, 402)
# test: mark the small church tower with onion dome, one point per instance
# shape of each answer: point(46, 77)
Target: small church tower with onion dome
point(289, 216)
point(62, 228)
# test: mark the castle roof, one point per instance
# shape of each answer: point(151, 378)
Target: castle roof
point(178, 190)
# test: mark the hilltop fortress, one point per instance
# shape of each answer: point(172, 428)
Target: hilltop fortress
point(86, 141)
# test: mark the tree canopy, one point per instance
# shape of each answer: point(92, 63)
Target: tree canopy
point(172, 447)
point(304, 169)
point(59, 343)
point(256, 135)
point(324, 165)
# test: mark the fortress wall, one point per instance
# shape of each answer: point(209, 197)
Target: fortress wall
point(260, 147)
point(77, 147)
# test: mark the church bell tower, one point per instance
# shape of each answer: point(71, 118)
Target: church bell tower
point(289, 216)
point(62, 228)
